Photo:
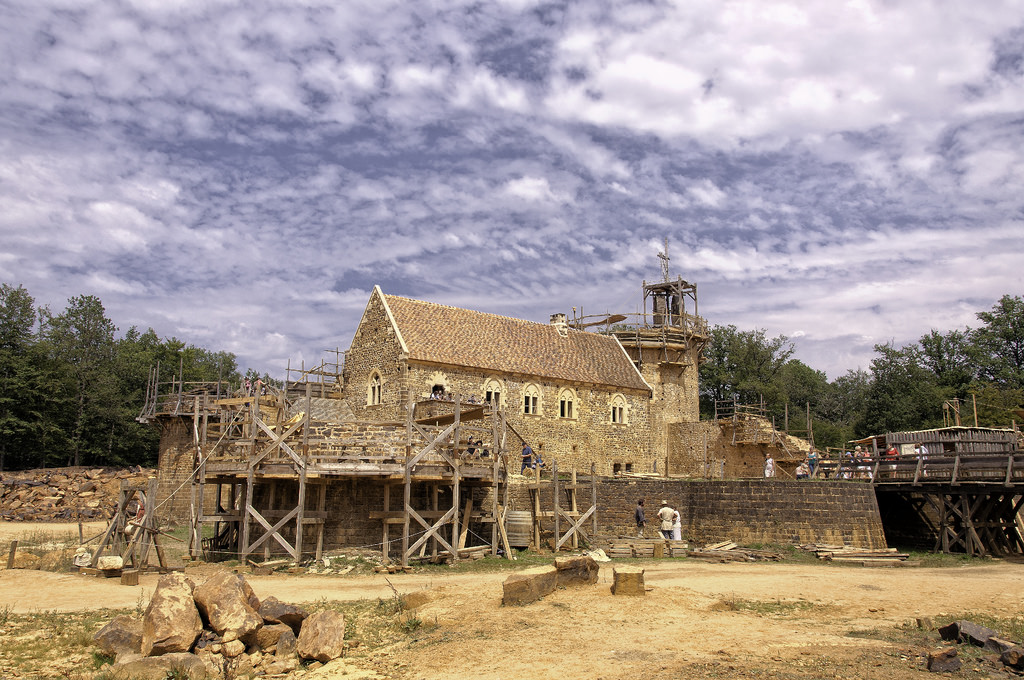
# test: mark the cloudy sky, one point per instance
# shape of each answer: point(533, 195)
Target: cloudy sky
point(240, 174)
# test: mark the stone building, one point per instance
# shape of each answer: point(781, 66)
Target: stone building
point(607, 394)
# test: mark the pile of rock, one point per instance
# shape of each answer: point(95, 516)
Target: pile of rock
point(64, 494)
point(218, 629)
point(1003, 652)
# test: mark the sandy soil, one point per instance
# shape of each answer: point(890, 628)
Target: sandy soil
point(688, 624)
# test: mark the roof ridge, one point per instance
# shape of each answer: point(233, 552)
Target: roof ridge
point(474, 311)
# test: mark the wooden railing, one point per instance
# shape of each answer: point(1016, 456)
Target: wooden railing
point(943, 468)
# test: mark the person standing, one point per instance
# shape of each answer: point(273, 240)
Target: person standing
point(812, 460)
point(640, 518)
point(769, 466)
point(527, 458)
point(665, 515)
point(677, 526)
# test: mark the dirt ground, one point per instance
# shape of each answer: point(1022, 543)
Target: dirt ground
point(698, 620)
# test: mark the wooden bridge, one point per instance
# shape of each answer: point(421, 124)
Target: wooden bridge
point(968, 501)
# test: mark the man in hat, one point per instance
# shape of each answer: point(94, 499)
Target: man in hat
point(665, 515)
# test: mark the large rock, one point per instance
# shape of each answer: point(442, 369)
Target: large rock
point(287, 647)
point(943, 660)
point(322, 636)
point(580, 570)
point(628, 581)
point(123, 634)
point(177, 665)
point(529, 585)
point(171, 622)
point(274, 611)
point(1013, 657)
point(267, 636)
point(224, 603)
point(967, 631)
point(110, 562)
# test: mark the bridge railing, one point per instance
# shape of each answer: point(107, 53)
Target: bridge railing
point(941, 468)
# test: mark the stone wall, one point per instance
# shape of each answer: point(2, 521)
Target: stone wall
point(705, 449)
point(589, 436)
point(744, 511)
point(375, 347)
point(174, 469)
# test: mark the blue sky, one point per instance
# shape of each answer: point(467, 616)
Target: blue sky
point(240, 174)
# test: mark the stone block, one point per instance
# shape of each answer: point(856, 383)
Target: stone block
point(579, 570)
point(529, 585)
point(628, 581)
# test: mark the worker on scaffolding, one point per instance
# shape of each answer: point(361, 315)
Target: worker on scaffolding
point(527, 456)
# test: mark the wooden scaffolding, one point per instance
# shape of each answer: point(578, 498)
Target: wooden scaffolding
point(267, 472)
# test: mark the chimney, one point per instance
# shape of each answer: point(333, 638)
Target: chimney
point(560, 324)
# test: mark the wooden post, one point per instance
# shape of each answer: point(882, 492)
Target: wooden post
point(593, 494)
point(574, 508)
point(974, 401)
point(558, 503)
point(10, 554)
point(384, 538)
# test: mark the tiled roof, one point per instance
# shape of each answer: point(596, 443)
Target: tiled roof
point(489, 342)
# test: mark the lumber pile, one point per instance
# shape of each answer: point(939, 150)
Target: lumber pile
point(866, 556)
point(727, 551)
point(645, 547)
point(64, 494)
point(443, 556)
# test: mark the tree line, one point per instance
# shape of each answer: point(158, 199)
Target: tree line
point(71, 386)
point(904, 389)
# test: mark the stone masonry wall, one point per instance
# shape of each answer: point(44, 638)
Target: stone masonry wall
point(573, 442)
point(174, 467)
point(375, 347)
point(744, 511)
point(703, 449)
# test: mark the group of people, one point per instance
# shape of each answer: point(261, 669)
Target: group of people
point(670, 522)
point(854, 463)
point(253, 389)
point(475, 447)
point(440, 394)
point(531, 460)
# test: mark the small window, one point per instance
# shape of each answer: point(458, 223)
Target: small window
point(492, 392)
point(567, 404)
point(616, 468)
point(617, 410)
point(531, 400)
point(629, 467)
point(373, 393)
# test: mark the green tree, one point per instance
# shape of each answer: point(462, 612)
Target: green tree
point(742, 365)
point(902, 395)
point(82, 339)
point(949, 357)
point(22, 396)
point(999, 343)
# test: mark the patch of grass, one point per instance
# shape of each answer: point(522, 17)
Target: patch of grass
point(54, 644)
point(930, 559)
point(490, 564)
point(780, 608)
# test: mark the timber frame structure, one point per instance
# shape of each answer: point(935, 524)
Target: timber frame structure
point(263, 468)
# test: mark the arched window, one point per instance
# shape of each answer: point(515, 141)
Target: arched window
point(531, 400)
point(617, 408)
point(492, 392)
point(567, 404)
point(373, 390)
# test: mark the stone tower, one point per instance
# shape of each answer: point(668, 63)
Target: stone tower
point(666, 341)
